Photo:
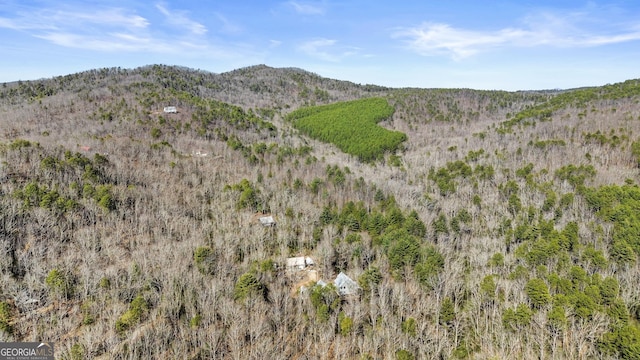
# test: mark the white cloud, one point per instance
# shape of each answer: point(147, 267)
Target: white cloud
point(543, 29)
point(23, 24)
point(326, 50)
point(319, 49)
point(109, 43)
point(105, 17)
point(103, 29)
point(307, 8)
point(180, 19)
point(612, 39)
point(113, 29)
point(228, 26)
point(47, 19)
point(442, 39)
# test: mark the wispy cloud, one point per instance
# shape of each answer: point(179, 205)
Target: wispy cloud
point(112, 42)
point(442, 39)
point(23, 23)
point(49, 19)
point(112, 29)
point(103, 29)
point(105, 17)
point(542, 29)
point(319, 49)
point(326, 50)
point(181, 19)
point(228, 27)
point(307, 8)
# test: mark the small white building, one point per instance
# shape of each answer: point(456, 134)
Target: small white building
point(199, 153)
point(170, 109)
point(299, 263)
point(344, 285)
point(267, 221)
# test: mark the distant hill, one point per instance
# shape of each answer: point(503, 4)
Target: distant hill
point(498, 225)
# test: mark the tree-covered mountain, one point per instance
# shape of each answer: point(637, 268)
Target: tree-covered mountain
point(491, 224)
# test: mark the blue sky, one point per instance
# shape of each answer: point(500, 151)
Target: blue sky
point(506, 45)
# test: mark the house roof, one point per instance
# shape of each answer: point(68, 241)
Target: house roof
point(267, 220)
point(300, 261)
point(345, 285)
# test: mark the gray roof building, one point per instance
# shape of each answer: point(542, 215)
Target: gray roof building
point(345, 285)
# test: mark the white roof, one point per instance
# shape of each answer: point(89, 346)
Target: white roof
point(345, 285)
point(267, 220)
point(300, 261)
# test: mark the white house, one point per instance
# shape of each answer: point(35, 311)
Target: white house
point(299, 263)
point(345, 285)
point(267, 221)
point(170, 109)
point(199, 153)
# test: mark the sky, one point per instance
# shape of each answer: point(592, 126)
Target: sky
point(492, 45)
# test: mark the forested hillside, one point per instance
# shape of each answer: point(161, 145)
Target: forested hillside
point(474, 224)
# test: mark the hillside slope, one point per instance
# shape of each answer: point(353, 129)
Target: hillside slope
point(504, 227)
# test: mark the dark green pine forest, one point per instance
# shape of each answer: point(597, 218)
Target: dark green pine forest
point(468, 224)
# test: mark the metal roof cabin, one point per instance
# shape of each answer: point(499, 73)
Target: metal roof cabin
point(267, 221)
point(345, 285)
point(299, 263)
